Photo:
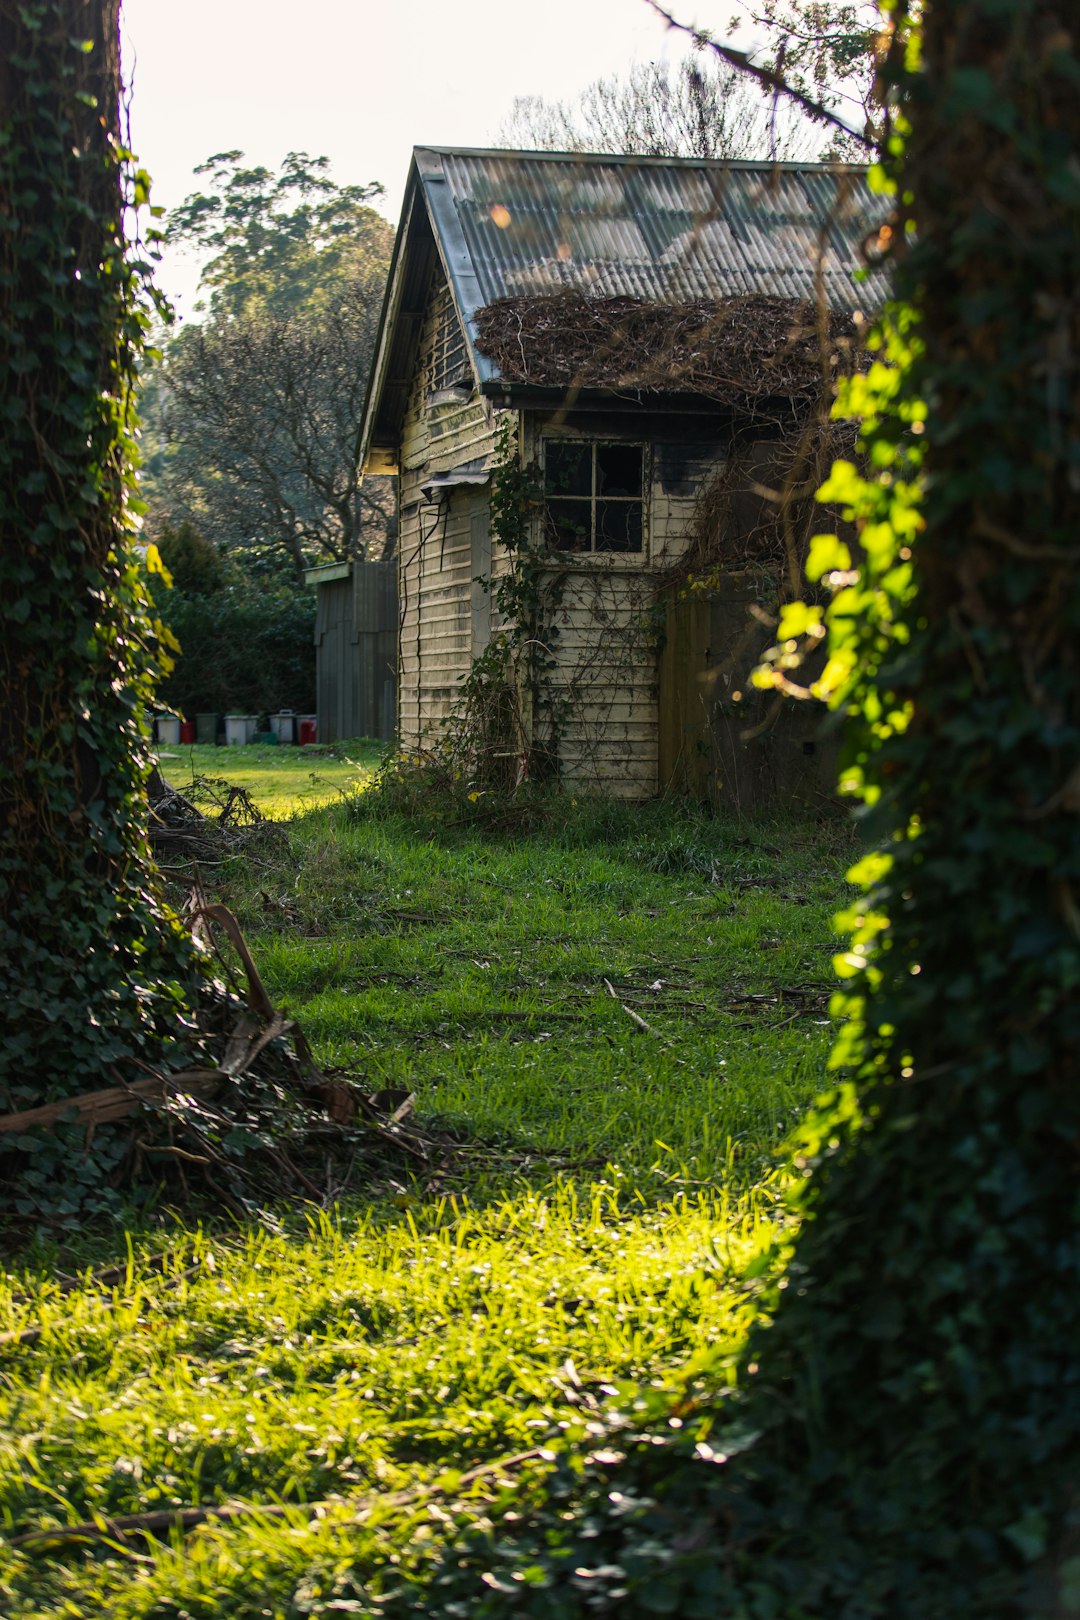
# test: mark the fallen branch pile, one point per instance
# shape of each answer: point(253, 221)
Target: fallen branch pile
point(255, 1117)
point(211, 820)
point(244, 1113)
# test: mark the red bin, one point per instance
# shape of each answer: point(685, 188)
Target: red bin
point(187, 731)
point(309, 731)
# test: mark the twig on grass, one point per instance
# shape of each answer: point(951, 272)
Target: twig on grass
point(635, 1018)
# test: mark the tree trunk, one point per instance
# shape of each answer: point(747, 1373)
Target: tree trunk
point(922, 1378)
point(92, 968)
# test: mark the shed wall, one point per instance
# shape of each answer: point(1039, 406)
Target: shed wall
point(604, 686)
point(439, 615)
point(336, 677)
point(356, 653)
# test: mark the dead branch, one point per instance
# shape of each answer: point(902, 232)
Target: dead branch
point(739, 350)
point(766, 77)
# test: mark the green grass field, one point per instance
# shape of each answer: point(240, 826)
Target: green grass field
point(619, 1013)
point(284, 781)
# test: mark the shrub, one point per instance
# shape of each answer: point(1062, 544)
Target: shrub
point(246, 646)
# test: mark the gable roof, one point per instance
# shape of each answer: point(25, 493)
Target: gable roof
point(663, 230)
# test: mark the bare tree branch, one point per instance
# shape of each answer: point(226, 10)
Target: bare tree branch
point(766, 77)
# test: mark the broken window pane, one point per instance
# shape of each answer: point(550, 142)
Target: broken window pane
point(618, 469)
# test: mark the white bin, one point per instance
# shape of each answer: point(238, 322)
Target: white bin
point(168, 730)
point(239, 729)
point(283, 725)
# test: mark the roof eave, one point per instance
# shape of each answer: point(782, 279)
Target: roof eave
point(454, 255)
point(378, 430)
point(370, 416)
point(640, 160)
point(537, 396)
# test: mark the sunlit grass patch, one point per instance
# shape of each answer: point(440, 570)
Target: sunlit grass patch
point(615, 1012)
point(282, 781)
point(363, 1354)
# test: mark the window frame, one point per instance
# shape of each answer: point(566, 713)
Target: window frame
point(596, 498)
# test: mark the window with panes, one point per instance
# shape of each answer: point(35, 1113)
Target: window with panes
point(594, 496)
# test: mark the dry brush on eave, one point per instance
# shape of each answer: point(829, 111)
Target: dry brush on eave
point(773, 361)
point(741, 351)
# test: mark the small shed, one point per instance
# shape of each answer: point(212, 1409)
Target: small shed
point(355, 648)
point(641, 337)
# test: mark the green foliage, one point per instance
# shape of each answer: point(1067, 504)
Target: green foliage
point(899, 1435)
point(826, 52)
point(193, 566)
point(94, 970)
point(252, 413)
point(279, 242)
point(242, 650)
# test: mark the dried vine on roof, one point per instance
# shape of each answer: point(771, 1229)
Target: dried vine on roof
point(739, 350)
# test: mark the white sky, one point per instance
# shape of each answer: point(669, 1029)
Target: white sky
point(362, 81)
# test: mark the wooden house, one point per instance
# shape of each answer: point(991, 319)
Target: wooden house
point(652, 339)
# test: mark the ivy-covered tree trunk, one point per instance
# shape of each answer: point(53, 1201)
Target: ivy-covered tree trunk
point(93, 970)
point(921, 1382)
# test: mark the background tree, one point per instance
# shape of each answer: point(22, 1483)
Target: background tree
point(281, 242)
point(827, 51)
point(93, 967)
point(700, 108)
point(253, 414)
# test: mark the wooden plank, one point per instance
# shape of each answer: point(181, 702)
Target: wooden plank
point(113, 1102)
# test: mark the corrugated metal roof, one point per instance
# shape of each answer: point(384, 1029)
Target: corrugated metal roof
point(652, 228)
point(663, 230)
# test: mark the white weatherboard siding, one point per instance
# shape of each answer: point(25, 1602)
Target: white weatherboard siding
point(437, 538)
point(604, 685)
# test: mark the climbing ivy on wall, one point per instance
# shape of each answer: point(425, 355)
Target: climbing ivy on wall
point(93, 968)
point(519, 690)
point(508, 712)
point(903, 1433)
